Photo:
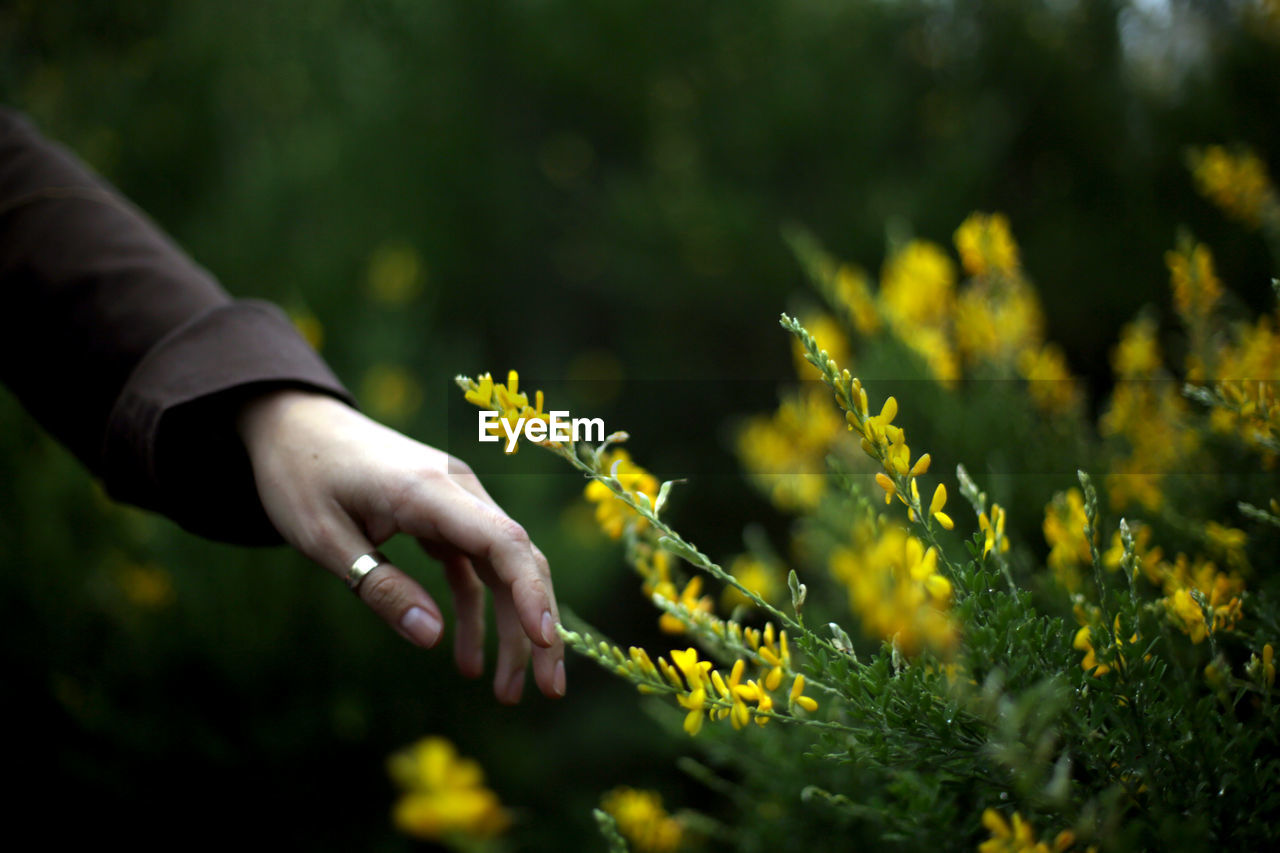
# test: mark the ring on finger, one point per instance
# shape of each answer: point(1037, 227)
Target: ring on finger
point(361, 567)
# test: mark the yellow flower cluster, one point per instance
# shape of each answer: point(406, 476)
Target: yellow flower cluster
point(1069, 551)
point(643, 821)
point(986, 245)
point(1083, 641)
point(993, 531)
point(705, 692)
point(917, 298)
point(1251, 410)
point(1149, 413)
point(895, 588)
point(613, 515)
point(654, 567)
point(1196, 292)
point(785, 453)
point(1263, 668)
point(1148, 557)
point(887, 444)
point(1020, 837)
point(444, 795)
point(507, 400)
point(853, 294)
point(1237, 183)
point(1185, 581)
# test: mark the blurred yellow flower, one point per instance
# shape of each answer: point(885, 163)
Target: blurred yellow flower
point(146, 585)
point(1049, 382)
point(916, 286)
point(1019, 837)
point(829, 336)
point(786, 452)
point(390, 392)
point(756, 575)
point(1237, 183)
point(612, 514)
point(642, 820)
point(444, 794)
point(309, 326)
point(985, 244)
point(1069, 551)
point(395, 274)
point(853, 292)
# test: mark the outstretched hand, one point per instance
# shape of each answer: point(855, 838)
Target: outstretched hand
point(336, 485)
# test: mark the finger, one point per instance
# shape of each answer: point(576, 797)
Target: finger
point(397, 598)
point(486, 534)
point(513, 649)
point(548, 663)
point(468, 607)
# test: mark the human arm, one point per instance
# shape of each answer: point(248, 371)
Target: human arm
point(216, 413)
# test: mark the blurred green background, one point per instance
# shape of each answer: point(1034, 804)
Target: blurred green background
point(582, 190)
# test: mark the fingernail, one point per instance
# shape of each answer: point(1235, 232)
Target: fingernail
point(557, 680)
point(548, 628)
point(422, 626)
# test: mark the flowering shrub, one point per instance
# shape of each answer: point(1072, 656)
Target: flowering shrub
point(1092, 670)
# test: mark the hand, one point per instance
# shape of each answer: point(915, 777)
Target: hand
point(336, 485)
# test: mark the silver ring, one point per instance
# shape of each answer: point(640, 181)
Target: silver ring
point(363, 564)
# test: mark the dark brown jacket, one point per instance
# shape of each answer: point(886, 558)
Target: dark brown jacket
point(126, 351)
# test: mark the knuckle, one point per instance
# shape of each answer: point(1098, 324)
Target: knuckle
point(458, 468)
point(513, 531)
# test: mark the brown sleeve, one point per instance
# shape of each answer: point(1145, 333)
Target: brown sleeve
point(126, 351)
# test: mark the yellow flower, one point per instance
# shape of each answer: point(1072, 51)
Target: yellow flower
point(756, 575)
point(444, 794)
point(642, 820)
point(1237, 183)
point(612, 514)
point(1083, 641)
point(395, 273)
point(916, 285)
point(852, 292)
point(690, 598)
point(985, 244)
point(1196, 289)
point(786, 453)
point(797, 697)
point(1049, 381)
point(936, 505)
point(1018, 837)
point(1137, 355)
point(391, 392)
point(146, 586)
point(996, 319)
point(993, 531)
point(895, 588)
point(1220, 592)
point(917, 296)
point(1064, 522)
point(309, 326)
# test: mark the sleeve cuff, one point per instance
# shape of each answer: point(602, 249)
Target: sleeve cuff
point(171, 443)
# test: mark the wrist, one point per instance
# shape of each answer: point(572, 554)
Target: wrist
point(263, 415)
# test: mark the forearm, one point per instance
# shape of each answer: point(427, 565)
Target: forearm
point(128, 352)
